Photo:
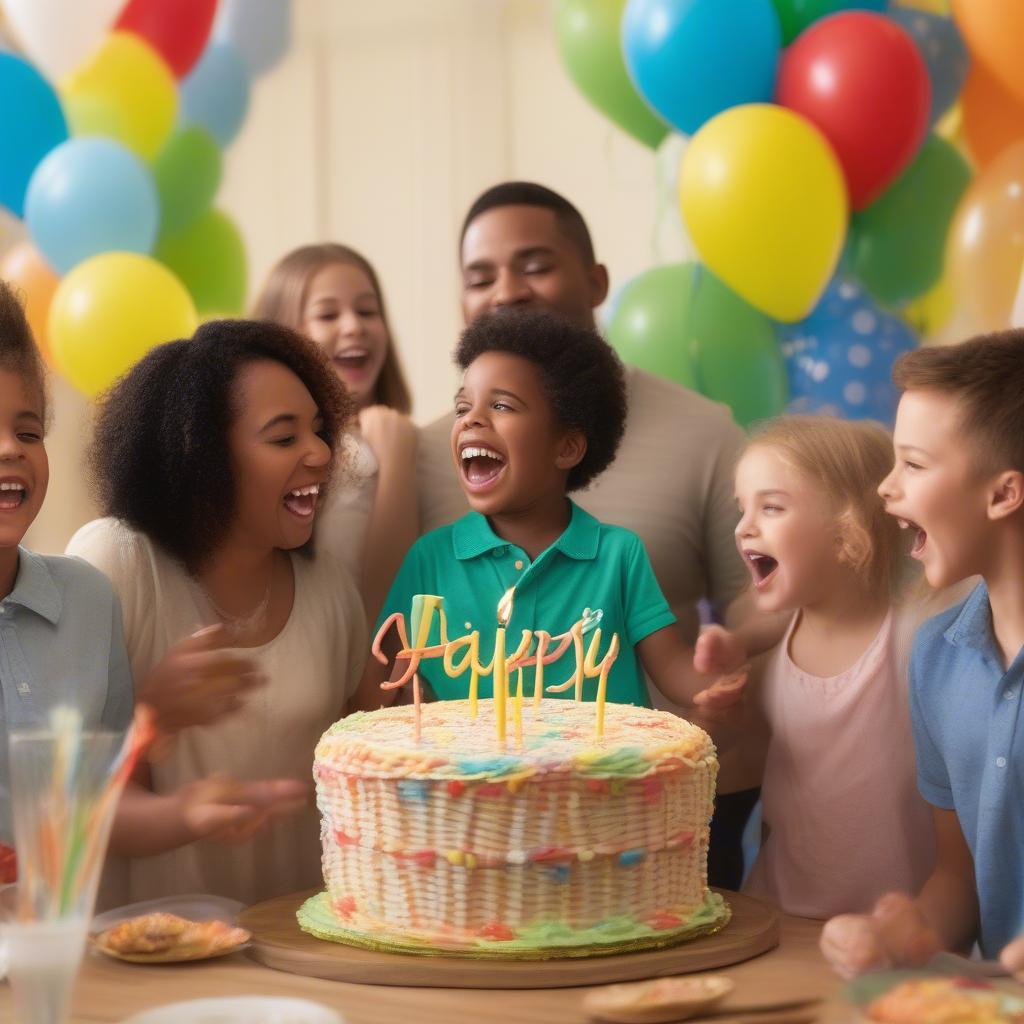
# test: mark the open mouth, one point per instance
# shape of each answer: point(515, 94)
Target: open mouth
point(481, 466)
point(762, 567)
point(352, 359)
point(920, 537)
point(302, 501)
point(12, 495)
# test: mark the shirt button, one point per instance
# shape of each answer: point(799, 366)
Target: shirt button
point(519, 563)
point(1008, 694)
point(1000, 762)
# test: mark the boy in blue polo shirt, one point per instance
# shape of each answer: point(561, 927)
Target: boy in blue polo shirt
point(958, 483)
point(540, 413)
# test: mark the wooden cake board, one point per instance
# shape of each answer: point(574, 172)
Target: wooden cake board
point(278, 942)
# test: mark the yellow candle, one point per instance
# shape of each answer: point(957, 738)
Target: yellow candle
point(602, 684)
point(500, 678)
point(538, 671)
point(519, 708)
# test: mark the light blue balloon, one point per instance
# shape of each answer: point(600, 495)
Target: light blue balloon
point(215, 93)
point(840, 358)
point(692, 59)
point(944, 52)
point(260, 30)
point(88, 196)
point(31, 124)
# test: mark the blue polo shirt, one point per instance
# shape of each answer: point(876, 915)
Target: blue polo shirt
point(590, 566)
point(61, 642)
point(969, 736)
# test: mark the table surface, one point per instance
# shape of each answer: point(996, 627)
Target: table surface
point(110, 991)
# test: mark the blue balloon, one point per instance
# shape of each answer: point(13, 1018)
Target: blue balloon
point(944, 52)
point(31, 124)
point(88, 196)
point(840, 358)
point(692, 59)
point(215, 93)
point(260, 30)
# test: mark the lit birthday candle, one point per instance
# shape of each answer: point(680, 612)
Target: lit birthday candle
point(500, 673)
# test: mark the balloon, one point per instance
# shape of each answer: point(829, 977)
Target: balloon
point(985, 249)
point(176, 29)
point(56, 35)
point(25, 269)
point(896, 246)
point(109, 312)
point(944, 54)
point(588, 39)
point(187, 174)
point(680, 322)
point(216, 92)
point(692, 59)
point(127, 92)
point(994, 30)
point(993, 118)
point(796, 15)
point(840, 358)
point(209, 258)
point(88, 196)
point(763, 198)
point(859, 78)
point(930, 312)
point(32, 122)
point(260, 30)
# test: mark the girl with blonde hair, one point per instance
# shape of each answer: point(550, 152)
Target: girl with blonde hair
point(332, 294)
point(846, 823)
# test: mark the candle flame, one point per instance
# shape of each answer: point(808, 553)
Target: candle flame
point(505, 607)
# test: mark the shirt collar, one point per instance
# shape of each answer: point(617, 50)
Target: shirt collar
point(34, 587)
point(973, 625)
point(472, 536)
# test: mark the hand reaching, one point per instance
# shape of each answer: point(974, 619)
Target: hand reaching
point(725, 692)
point(199, 681)
point(718, 651)
point(231, 811)
point(894, 934)
point(391, 435)
point(1012, 958)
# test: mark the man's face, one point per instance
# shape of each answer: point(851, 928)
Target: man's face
point(520, 255)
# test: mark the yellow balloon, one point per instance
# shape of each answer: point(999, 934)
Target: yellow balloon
point(109, 311)
point(764, 200)
point(930, 312)
point(127, 92)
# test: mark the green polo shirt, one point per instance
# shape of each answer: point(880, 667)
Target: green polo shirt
point(591, 566)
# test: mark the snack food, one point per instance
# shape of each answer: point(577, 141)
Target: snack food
point(162, 937)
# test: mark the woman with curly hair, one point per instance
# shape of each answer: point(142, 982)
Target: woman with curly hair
point(212, 458)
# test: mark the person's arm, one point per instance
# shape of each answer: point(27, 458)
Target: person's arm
point(668, 661)
point(902, 931)
point(148, 823)
point(394, 521)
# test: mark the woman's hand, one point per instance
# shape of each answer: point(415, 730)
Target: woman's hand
point(231, 811)
point(391, 435)
point(198, 681)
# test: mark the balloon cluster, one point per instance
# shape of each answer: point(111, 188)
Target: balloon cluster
point(824, 156)
point(114, 116)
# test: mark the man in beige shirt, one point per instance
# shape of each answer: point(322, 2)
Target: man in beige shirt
point(671, 482)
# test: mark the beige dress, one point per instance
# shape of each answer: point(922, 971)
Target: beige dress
point(312, 666)
point(345, 520)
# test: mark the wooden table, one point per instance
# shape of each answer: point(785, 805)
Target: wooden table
point(110, 991)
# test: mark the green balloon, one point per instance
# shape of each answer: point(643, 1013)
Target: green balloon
point(588, 38)
point(680, 322)
point(896, 245)
point(209, 258)
point(187, 174)
point(796, 15)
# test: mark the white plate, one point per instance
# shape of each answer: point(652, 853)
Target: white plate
point(239, 1010)
point(194, 906)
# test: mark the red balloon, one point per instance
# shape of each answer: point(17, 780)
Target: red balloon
point(176, 29)
point(860, 79)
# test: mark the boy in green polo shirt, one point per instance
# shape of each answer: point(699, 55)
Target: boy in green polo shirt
point(540, 413)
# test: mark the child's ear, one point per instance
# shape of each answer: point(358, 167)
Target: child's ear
point(571, 450)
point(1007, 494)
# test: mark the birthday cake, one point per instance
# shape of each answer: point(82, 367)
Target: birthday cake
point(561, 842)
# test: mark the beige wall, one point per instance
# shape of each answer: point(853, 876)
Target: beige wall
point(379, 128)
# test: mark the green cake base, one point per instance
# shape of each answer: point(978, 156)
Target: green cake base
point(543, 942)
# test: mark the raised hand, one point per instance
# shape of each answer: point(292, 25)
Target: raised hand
point(231, 811)
point(391, 435)
point(724, 692)
point(718, 651)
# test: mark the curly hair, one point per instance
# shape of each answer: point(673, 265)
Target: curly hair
point(580, 373)
point(18, 351)
point(160, 455)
